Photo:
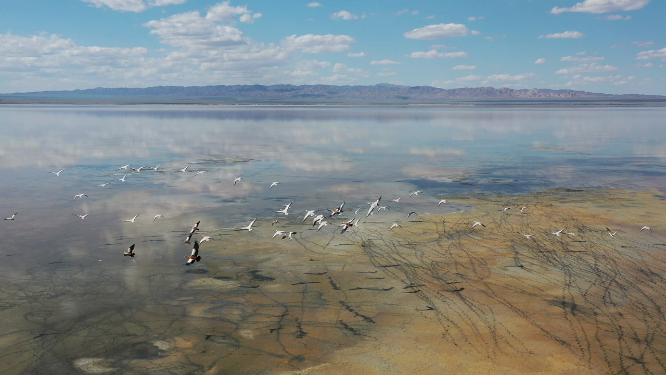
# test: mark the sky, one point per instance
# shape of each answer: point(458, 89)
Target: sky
point(608, 46)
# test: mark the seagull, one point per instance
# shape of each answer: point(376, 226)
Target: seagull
point(558, 232)
point(612, 234)
point(102, 185)
point(284, 210)
point(238, 179)
point(308, 214)
point(123, 167)
point(57, 173)
point(373, 206)
point(338, 210)
point(129, 252)
point(206, 238)
point(477, 223)
point(81, 216)
point(410, 214)
point(132, 219)
point(383, 208)
point(184, 169)
point(394, 225)
point(273, 184)
point(122, 179)
point(155, 168)
point(527, 235)
point(157, 216)
point(417, 192)
point(80, 196)
point(318, 219)
point(278, 233)
point(504, 209)
point(199, 172)
point(571, 234)
point(397, 200)
point(249, 226)
point(442, 201)
point(522, 210)
point(140, 168)
point(195, 254)
point(355, 212)
point(322, 224)
point(290, 235)
point(646, 227)
point(13, 216)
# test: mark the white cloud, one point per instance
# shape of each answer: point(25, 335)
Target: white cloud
point(582, 59)
point(618, 83)
point(387, 74)
point(643, 44)
point(566, 35)
point(360, 54)
point(615, 17)
point(429, 17)
point(587, 68)
point(400, 12)
point(310, 43)
point(439, 31)
point(471, 19)
point(540, 61)
point(342, 68)
point(224, 12)
point(476, 32)
point(647, 65)
point(385, 62)
point(314, 4)
point(414, 13)
point(510, 78)
point(601, 79)
point(434, 54)
point(312, 64)
point(464, 67)
point(495, 78)
point(457, 81)
point(121, 5)
point(343, 15)
point(603, 6)
point(581, 53)
point(337, 79)
point(652, 54)
point(440, 46)
point(191, 30)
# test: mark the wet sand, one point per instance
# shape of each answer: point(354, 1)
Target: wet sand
point(431, 296)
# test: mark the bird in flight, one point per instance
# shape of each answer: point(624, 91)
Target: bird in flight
point(322, 224)
point(192, 230)
point(129, 252)
point(612, 234)
point(206, 238)
point(477, 223)
point(194, 257)
point(442, 201)
point(279, 233)
point(12, 217)
point(522, 210)
point(102, 185)
point(558, 232)
point(273, 184)
point(290, 235)
point(412, 213)
point(81, 216)
point(397, 200)
point(122, 179)
point(124, 167)
point(308, 214)
point(318, 219)
point(199, 172)
point(184, 169)
point(157, 216)
point(417, 192)
point(285, 209)
point(645, 228)
point(249, 226)
point(528, 236)
point(132, 219)
point(80, 196)
point(337, 211)
point(394, 225)
point(57, 173)
point(374, 205)
point(238, 179)
point(155, 168)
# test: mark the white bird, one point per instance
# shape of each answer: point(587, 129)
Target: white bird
point(184, 169)
point(284, 210)
point(276, 221)
point(355, 212)
point(140, 168)
point(195, 254)
point(645, 227)
point(81, 216)
point(278, 233)
point(522, 210)
point(527, 235)
point(249, 226)
point(504, 209)
point(206, 238)
point(394, 225)
point(155, 168)
point(477, 223)
point(383, 208)
point(132, 219)
point(199, 172)
point(318, 219)
point(102, 185)
point(308, 214)
point(612, 234)
point(322, 224)
point(157, 217)
point(290, 235)
point(273, 184)
point(12, 217)
point(417, 192)
point(558, 232)
point(80, 196)
point(397, 200)
point(124, 167)
point(57, 173)
point(571, 234)
point(442, 201)
point(373, 205)
point(122, 179)
point(238, 179)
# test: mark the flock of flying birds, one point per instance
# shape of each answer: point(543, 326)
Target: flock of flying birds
point(318, 220)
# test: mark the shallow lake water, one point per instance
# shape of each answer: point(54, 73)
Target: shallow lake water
point(68, 295)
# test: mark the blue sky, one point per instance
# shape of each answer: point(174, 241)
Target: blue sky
point(610, 46)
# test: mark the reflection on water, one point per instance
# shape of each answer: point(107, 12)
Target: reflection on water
point(67, 297)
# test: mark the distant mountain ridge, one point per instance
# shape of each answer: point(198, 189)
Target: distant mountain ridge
point(380, 92)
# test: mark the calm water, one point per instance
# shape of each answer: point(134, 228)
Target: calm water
point(60, 275)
